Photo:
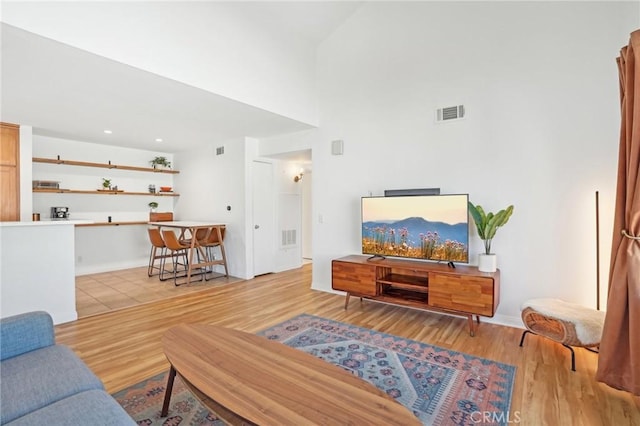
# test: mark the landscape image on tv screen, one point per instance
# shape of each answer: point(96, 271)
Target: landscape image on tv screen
point(431, 227)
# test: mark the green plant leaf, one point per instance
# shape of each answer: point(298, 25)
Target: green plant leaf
point(488, 223)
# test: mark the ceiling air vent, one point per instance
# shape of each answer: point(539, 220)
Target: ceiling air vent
point(449, 113)
point(220, 150)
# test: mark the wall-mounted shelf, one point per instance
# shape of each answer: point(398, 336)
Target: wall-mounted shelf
point(113, 223)
point(101, 165)
point(101, 192)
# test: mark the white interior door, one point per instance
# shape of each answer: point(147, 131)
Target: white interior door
point(263, 218)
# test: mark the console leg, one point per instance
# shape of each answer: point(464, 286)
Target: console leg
point(167, 392)
point(346, 301)
point(472, 331)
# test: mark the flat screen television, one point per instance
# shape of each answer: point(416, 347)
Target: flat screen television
point(429, 227)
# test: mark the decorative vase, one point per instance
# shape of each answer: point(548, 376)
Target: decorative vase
point(487, 262)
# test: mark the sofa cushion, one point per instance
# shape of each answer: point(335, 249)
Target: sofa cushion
point(94, 407)
point(24, 333)
point(42, 377)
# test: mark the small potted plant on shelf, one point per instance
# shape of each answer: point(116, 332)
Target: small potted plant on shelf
point(106, 183)
point(153, 206)
point(487, 224)
point(160, 163)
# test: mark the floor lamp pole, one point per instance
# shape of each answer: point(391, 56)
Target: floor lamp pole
point(597, 251)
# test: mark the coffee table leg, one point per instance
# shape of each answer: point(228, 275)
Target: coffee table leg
point(167, 392)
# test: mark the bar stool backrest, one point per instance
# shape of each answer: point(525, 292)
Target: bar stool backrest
point(213, 236)
point(171, 241)
point(156, 238)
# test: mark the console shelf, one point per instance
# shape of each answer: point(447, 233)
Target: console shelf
point(407, 281)
point(462, 290)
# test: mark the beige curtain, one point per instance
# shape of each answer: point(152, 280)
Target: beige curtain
point(619, 362)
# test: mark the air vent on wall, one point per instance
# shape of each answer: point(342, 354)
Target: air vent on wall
point(449, 113)
point(289, 237)
point(220, 150)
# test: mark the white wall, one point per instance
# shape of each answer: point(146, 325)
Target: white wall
point(209, 45)
point(208, 184)
point(294, 149)
point(307, 216)
point(26, 203)
point(288, 143)
point(539, 82)
point(288, 215)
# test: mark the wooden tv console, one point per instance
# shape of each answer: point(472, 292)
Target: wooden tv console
point(462, 290)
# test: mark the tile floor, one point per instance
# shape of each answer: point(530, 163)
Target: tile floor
point(108, 291)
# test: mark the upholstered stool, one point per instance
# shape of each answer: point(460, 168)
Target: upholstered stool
point(566, 323)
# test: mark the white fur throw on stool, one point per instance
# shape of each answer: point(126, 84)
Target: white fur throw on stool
point(586, 322)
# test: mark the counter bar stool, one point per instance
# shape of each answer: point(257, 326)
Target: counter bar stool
point(158, 252)
point(179, 252)
point(213, 241)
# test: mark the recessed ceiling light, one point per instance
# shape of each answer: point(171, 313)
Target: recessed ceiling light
point(158, 140)
point(108, 132)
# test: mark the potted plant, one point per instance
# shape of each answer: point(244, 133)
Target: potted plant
point(487, 224)
point(106, 183)
point(153, 206)
point(160, 163)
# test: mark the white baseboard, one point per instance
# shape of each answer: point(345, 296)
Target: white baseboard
point(62, 317)
point(505, 320)
point(108, 267)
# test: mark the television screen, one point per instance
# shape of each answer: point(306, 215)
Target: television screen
point(430, 227)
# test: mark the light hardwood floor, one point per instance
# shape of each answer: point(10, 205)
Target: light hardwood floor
point(109, 291)
point(124, 347)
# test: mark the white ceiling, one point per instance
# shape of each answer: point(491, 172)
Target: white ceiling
point(69, 93)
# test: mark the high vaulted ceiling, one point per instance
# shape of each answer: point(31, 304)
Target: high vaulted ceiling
point(70, 93)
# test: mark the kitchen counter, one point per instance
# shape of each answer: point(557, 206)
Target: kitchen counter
point(47, 222)
point(37, 268)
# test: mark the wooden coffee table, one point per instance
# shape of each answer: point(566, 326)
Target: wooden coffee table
point(248, 379)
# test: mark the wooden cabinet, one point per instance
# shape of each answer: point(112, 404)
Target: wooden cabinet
point(353, 278)
point(462, 290)
point(10, 172)
point(464, 293)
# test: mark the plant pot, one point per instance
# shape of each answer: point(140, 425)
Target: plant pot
point(487, 262)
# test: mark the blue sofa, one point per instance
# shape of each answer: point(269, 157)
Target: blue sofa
point(42, 383)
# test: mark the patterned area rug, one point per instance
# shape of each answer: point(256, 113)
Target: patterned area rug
point(439, 386)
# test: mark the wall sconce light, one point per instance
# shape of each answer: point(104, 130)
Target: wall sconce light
point(298, 177)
